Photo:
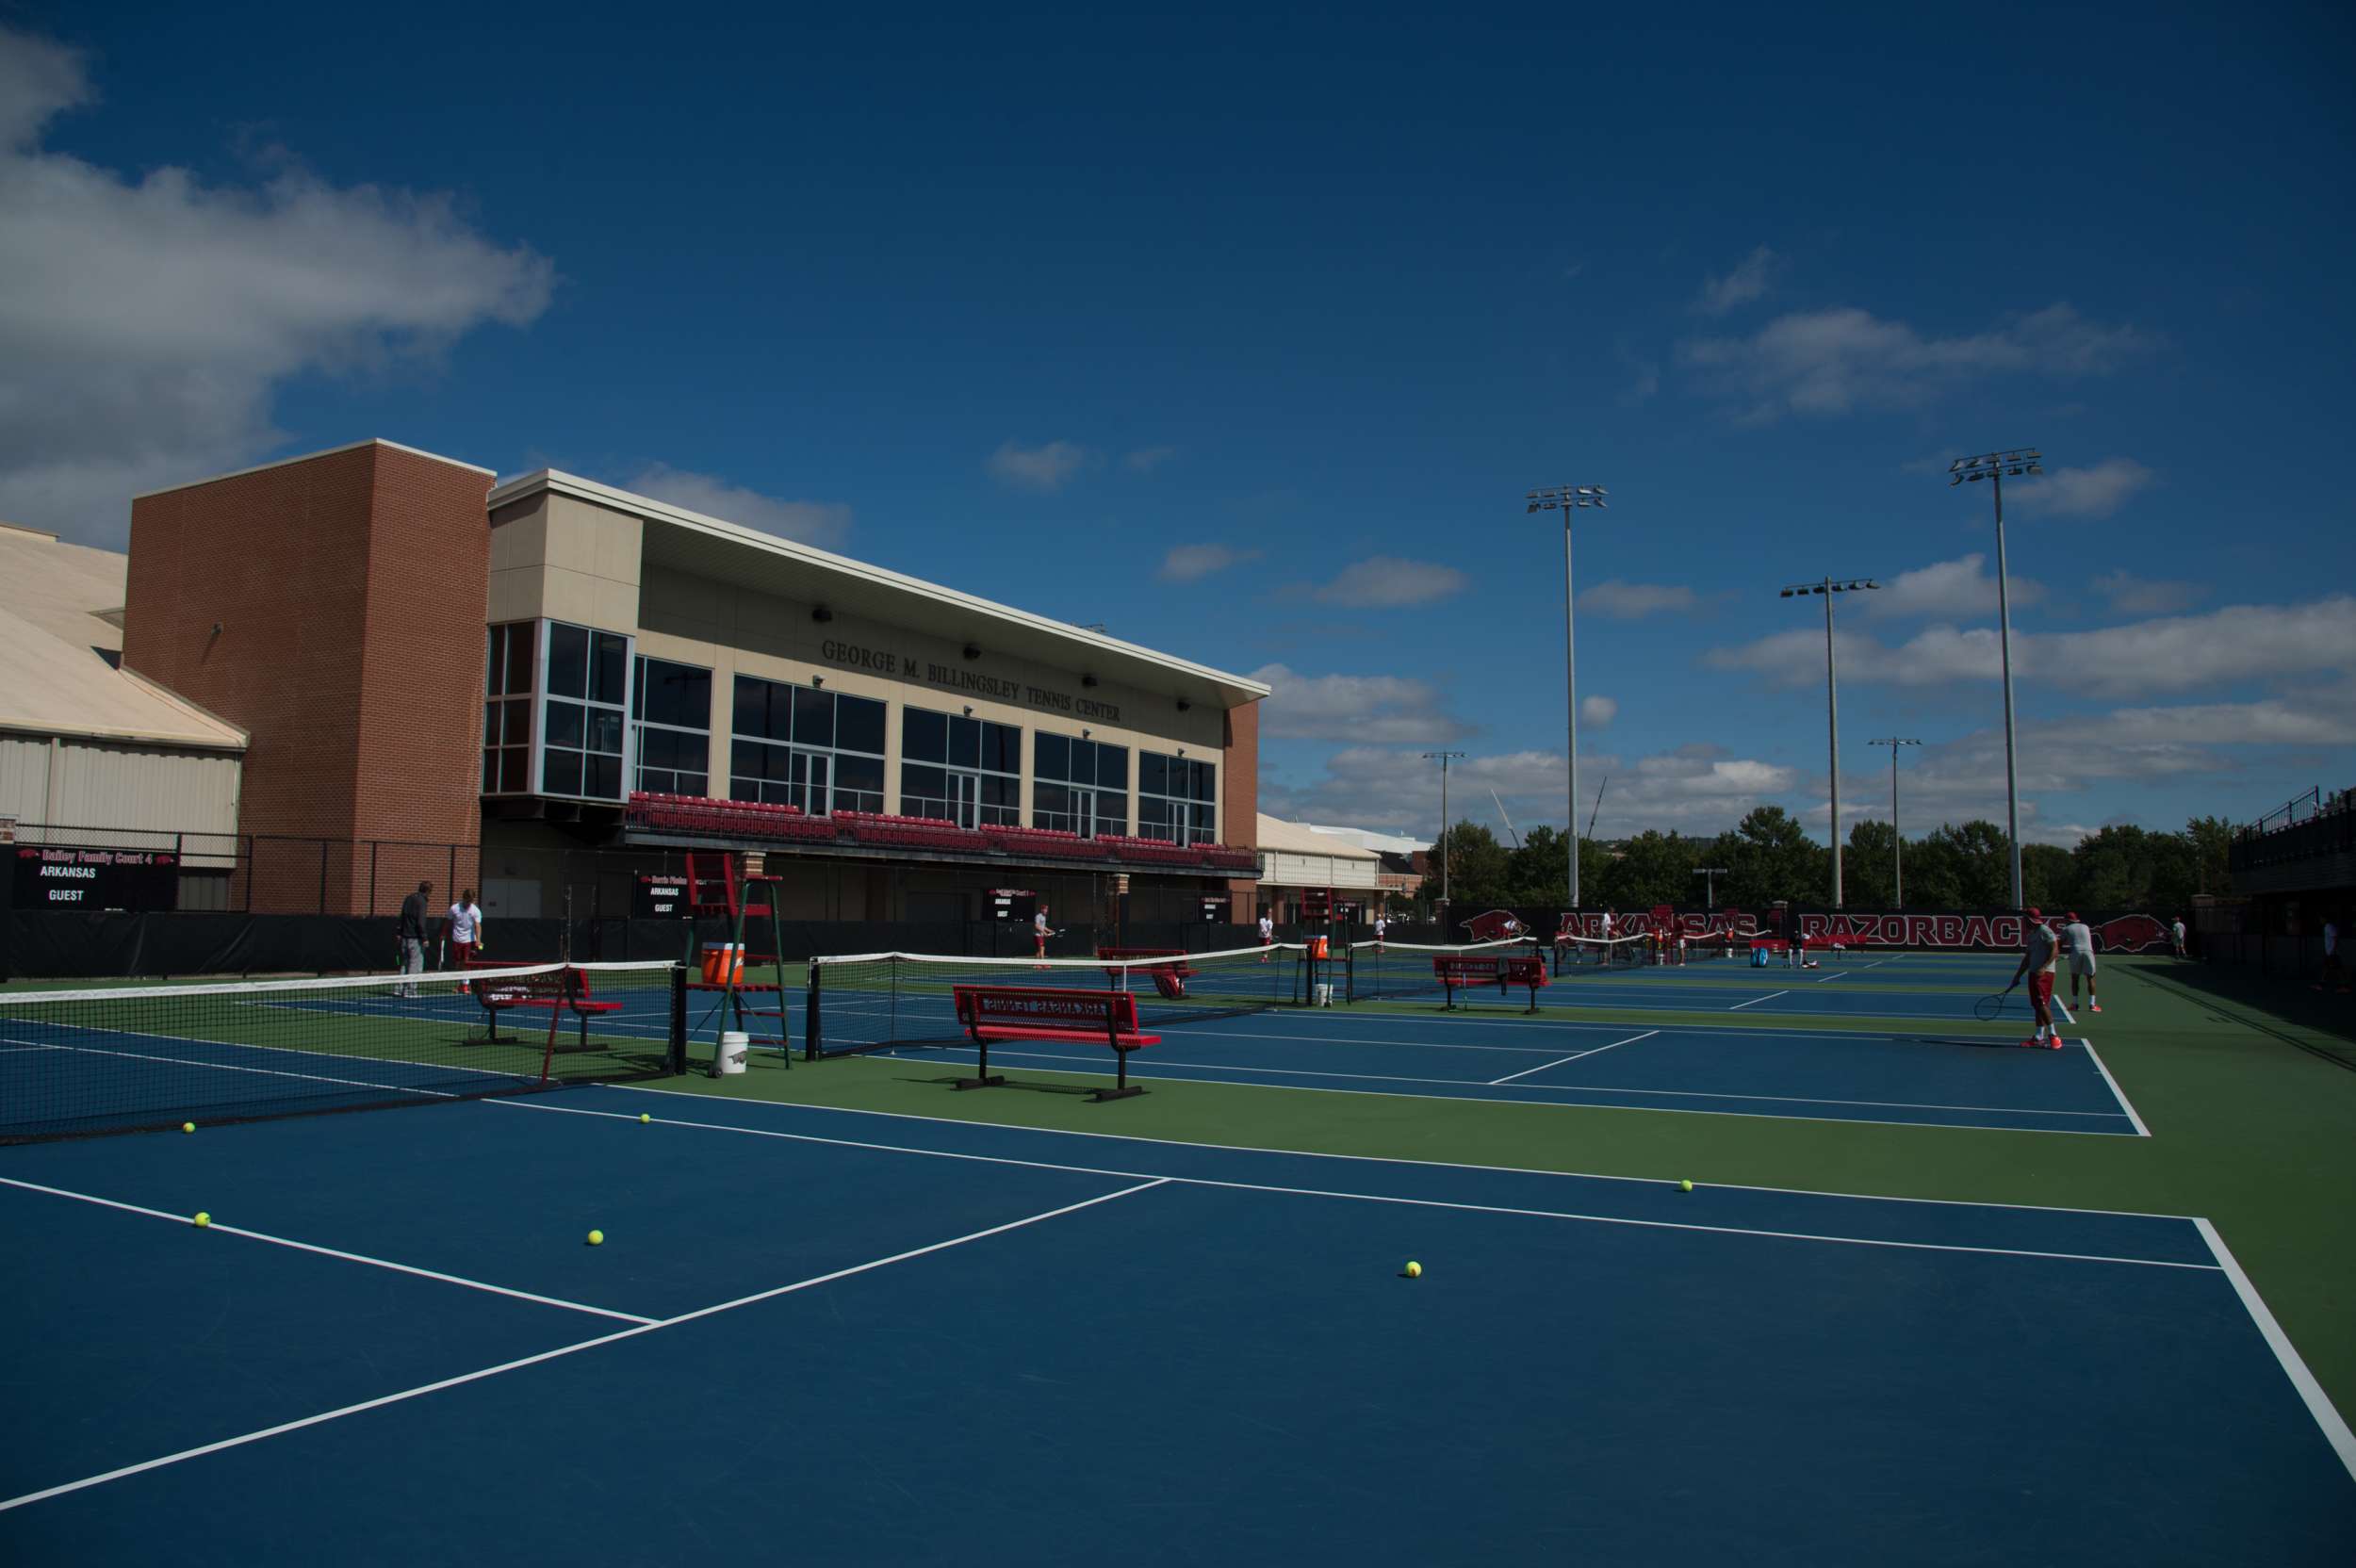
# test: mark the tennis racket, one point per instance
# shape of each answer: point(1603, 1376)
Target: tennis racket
point(1988, 1008)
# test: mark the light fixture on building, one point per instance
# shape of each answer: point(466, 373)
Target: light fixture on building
point(818, 681)
point(1087, 733)
point(821, 613)
point(1088, 680)
point(1183, 705)
point(972, 651)
point(968, 709)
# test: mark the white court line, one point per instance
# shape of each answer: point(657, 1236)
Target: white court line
point(477, 1375)
point(2117, 1093)
point(1573, 1057)
point(1769, 997)
point(1834, 976)
point(1145, 1071)
point(2310, 1392)
point(436, 1275)
point(1362, 1159)
point(1364, 1197)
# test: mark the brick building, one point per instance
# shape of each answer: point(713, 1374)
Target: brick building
point(482, 679)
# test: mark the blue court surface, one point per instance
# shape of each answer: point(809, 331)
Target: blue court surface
point(1917, 1079)
point(827, 1335)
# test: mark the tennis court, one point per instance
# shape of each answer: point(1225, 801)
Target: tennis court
point(851, 1335)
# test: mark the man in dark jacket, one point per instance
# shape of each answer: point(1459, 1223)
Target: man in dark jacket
point(411, 930)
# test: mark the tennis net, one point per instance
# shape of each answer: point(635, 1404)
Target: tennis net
point(1575, 953)
point(1718, 944)
point(872, 1001)
point(1383, 970)
point(134, 1057)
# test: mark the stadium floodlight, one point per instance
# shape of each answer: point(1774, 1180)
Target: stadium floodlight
point(1897, 840)
point(1828, 587)
point(1445, 757)
point(2018, 463)
point(1567, 499)
point(1709, 884)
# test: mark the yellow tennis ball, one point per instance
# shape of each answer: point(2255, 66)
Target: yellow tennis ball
point(1414, 1272)
point(203, 1219)
point(644, 1117)
point(1685, 1186)
point(596, 1238)
point(187, 1126)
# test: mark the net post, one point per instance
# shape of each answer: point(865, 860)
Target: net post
point(676, 1056)
point(810, 1012)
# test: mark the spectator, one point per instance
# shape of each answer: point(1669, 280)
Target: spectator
point(411, 931)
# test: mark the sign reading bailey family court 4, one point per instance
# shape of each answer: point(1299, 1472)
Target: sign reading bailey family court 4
point(980, 684)
point(57, 876)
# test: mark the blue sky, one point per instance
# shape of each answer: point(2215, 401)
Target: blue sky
point(1027, 301)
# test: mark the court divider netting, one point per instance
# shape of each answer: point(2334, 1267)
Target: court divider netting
point(872, 1001)
point(130, 1058)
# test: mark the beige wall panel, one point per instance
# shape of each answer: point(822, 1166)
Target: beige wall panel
point(25, 778)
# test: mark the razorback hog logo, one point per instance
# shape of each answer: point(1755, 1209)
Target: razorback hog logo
point(1495, 926)
point(2132, 933)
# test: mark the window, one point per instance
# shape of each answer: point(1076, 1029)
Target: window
point(1177, 799)
point(507, 709)
point(1079, 785)
point(959, 769)
point(580, 735)
point(672, 705)
point(806, 747)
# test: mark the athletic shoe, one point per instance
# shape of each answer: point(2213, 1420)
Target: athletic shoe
point(2031, 1045)
point(2093, 1006)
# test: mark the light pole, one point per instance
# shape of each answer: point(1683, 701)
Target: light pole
point(1445, 756)
point(1828, 587)
point(1993, 466)
point(1567, 499)
point(1897, 840)
point(1710, 876)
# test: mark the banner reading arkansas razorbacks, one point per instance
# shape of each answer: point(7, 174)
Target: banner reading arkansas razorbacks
point(1955, 931)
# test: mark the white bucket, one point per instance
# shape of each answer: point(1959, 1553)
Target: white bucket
point(730, 1056)
point(1325, 994)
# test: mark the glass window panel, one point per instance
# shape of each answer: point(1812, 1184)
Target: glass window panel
point(863, 774)
point(490, 772)
point(920, 779)
point(1112, 768)
point(605, 730)
point(1051, 798)
point(1051, 755)
point(998, 789)
point(561, 773)
point(1152, 773)
point(813, 717)
point(492, 723)
point(674, 694)
point(693, 751)
point(924, 736)
point(564, 725)
point(495, 662)
point(519, 642)
point(692, 784)
point(1001, 748)
point(604, 777)
point(608, 664)
point(568, 660)
point(859, 724)
point(1112, 812)
point(751, 708)
point(658, 748)
point(1205, 781)
point(965, 742)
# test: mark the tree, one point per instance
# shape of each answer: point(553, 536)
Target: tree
point(2049, 878)
point(1540, 871)
point(1654, 868)
point(2212, 850)
point(1771, 857)
point(1869, 868)
point(1968, 867)
point(2125, 867)
point(1478, 869)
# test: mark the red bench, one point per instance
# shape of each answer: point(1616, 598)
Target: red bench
point(556, 991)
point(1459, 971)
point(1048, 1013)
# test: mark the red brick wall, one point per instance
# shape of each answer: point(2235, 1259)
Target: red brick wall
point(1239, 800)
point(350, 591)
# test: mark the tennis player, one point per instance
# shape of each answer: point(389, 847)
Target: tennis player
point(2176, 934)
point(1382, 928)
point(1039, 933)
point(1267, 934)
point(2040, 952)
point(410, 930)
point(465, 928)
point(2080, 941)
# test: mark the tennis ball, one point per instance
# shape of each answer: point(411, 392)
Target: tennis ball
point(644, 1117)
point(1685, 1186)
point(1414, 1272)
point(203, 1219)
point(187, 1126)
point(596, 1238)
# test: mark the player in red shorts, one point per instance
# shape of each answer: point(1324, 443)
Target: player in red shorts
point(2041, 951)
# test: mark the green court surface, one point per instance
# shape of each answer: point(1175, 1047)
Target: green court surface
point(2245, 1084)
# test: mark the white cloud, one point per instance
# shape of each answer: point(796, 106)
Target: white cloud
point(1747, 282)
point(147, 322)
point(1962, 588)
point(1048, 467)
point(1144, 460)
point(2174, 654)
point(1193, 563)
point(2095, 492)
point(1843, 359)
point(1597, 713)
point(826, 524)
point(1629, 601)
point(1367, 709)
point(2131, 594)
point(1385, 581)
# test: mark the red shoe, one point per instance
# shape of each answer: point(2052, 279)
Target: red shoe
point(2031, 1045)
point(2094, 1006)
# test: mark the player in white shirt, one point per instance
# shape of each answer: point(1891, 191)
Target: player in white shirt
point(2079, 939)
point(1039, 933)
point(1267, 933)
point(466, 932)
point(1382, 926)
